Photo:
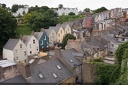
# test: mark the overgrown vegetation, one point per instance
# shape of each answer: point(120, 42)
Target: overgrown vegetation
point(65, 39)
point(105, 74)
point(23, 29)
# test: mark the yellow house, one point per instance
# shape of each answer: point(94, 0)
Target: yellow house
point(59, 33)
point(67, 28)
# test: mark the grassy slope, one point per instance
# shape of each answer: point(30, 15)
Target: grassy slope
point(23, 29)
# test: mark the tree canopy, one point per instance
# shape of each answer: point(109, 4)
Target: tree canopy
point(7, 27)
point(60, 6)
point(65, 39)
point(87, 10)
point(14, 7)
point(71, 13)
point(100, 10)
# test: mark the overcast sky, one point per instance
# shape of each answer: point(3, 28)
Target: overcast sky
point(80, 4)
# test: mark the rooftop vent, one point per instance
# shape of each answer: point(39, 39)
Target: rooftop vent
point(71, 61)
point(40, 75)
point(54, 75)
point(58, 67)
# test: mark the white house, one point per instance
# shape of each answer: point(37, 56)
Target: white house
point(31, 43)
point(21, 11)
point(66, 11)
point(15, 50)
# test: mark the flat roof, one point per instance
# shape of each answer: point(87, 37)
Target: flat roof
point(6, 63)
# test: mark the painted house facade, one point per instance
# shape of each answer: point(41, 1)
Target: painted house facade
point(59, 33)
point(66, 28)
point(15, 50)
point(42, 39)
point(51, 35)
point(31, 43)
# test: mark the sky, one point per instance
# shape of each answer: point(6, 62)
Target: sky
point(80, 4)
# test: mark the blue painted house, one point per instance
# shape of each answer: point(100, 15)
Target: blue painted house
point(42, 38)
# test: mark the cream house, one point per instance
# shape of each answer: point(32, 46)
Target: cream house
point(67, 28)
point(15, 50)
point(32, 44)
point(59, 33)
point(51, 35)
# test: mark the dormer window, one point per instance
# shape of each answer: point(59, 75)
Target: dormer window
point(71, 61)
point(33, 41)
point(54, 75)
point(58, 67)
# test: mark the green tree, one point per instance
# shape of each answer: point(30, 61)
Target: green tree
point(71, 13)
point(4, 6)
point(8, 26)
point(100, 10)
point(60, 6)
point(27, 17)
point(14, 7)
point(87, 10)
point(65, 39)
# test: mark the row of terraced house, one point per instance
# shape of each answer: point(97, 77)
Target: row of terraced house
point(97, 35)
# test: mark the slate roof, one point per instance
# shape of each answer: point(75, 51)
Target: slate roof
point(11, 43)
point(17, 79)
point(48, 31)
point(26, 38)
point(38, 35)
point(56, 29)
point(70, 24)
point(47, 69)
point(68, 55)
point(64, 25)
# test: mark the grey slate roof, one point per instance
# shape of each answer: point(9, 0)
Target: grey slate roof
point(26, 38)
point(17, 79)
point(56, 29)
point(11, 43)
point(47, 69)
point(68, 55)
point(48, 31)
point(38, 35)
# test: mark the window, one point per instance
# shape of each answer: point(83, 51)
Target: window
point(30, 52)
point(61, 31)
point(59, 40)
point(54, 75)
point(123, 39)
point(58, 67)
point(30, 45)
point(112, 45)
point(16, 50)
point(42, 43)
point(37, 49)
point(25, 53)
point(44, 37)
point(33, 41)
point(71, 61)
point(58, 34)
point(20, 45)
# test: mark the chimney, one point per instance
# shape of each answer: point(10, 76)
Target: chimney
point(21, 37)
point(24, 69)
point(42, 30)
point(32, 33)
point(74, 44)
point(81, 36)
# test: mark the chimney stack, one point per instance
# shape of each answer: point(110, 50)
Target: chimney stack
point(32, 33)
point(24, 69)
point(21, 37)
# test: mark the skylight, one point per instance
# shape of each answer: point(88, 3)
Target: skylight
point(54, 75)
point(58, 67)
point(40, 75)
point(71, 61)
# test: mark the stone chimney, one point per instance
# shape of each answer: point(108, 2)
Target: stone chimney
point(81, 36)
point(24, 69)
point(21, 37)
point(74, 44)
point(32, 33)
point(42, 30)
